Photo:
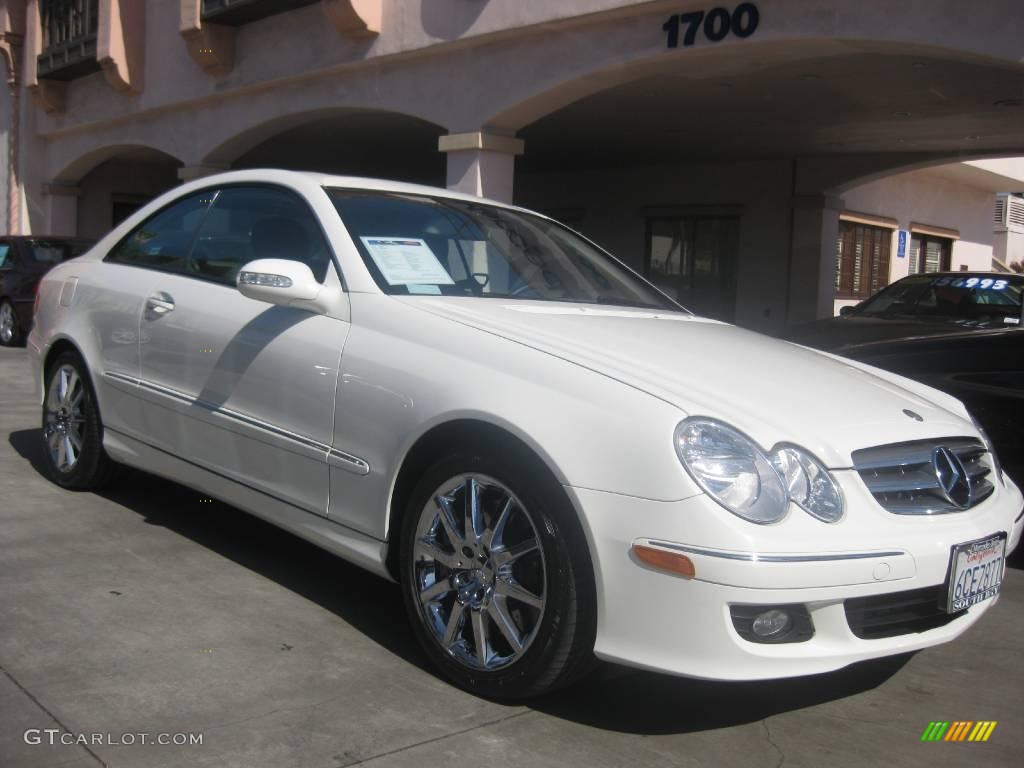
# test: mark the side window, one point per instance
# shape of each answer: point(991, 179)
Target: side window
point(163, 240)
point(6, 257)
point(248, 223)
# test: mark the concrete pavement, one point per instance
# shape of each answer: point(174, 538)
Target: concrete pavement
point(150, 610)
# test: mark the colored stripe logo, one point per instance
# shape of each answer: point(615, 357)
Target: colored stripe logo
point(959, 730)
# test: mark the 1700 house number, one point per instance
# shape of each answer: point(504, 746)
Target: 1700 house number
point(716, 24)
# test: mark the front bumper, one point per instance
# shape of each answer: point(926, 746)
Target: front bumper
point(652, 619)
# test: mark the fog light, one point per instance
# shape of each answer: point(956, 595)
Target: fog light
point(771, 623)
point(789, 623)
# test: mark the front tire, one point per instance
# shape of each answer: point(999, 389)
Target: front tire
point(72, 429)
point(496, 576)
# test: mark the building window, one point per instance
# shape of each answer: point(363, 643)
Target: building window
point(693, 259)
point(862, 260)
point(69, 38)
point(237, 12)
point(929, 253)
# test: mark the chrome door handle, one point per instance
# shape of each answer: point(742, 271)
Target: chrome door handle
point(160, 303)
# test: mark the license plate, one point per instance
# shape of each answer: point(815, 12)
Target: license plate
point(976, 572)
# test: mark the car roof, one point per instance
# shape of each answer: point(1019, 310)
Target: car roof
point(295, 179)
point(968, 273)
point(329, 180)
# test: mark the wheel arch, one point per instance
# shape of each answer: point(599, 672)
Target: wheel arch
point(462, 432)
point(59, 346)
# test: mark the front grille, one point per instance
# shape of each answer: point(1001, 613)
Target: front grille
point(898, 613)
point(908, 478)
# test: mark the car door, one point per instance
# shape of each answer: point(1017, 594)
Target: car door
point(113, 294)
point(240, 387)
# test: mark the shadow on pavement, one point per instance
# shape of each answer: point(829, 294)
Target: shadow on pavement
point(651, 704)
point(367, 602)
point(612, 698)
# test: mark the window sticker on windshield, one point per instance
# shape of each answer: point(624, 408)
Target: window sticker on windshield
point(405, 261)
point(983, 283)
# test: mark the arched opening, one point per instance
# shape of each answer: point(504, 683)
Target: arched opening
point(349, 142)
point(723, 179)
point(111, 183)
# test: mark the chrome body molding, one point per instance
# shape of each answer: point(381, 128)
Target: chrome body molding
point(755, 557)
point(333, 535)
point(347, 461)
point(334, 457)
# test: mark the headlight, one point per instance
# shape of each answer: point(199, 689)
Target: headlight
point(731, 469)
point(754, 485)
point(808, 484)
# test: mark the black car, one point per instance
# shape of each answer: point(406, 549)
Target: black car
point(921, 305)
point(958, 332)
point(984, 369)
point(23, 260)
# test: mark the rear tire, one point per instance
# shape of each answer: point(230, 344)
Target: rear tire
point(514, 577)
point(10, 330)
point(72, 429)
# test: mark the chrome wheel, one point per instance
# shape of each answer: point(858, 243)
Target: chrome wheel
point(478, 569)
point(8, 323)
point(64, 425)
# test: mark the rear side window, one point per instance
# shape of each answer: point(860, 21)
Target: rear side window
point(257, 222)
point(49, 251)
point(164, 240)
point(6, 259)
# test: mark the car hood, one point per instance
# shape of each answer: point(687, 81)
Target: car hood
point(773, 390)
point(836, 333)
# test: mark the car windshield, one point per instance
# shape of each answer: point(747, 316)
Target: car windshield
point(424, 245)
point(974, 297)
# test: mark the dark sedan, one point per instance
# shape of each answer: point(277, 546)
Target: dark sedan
point(959, 332)
point(983, 368)
point(921, 305)
point(23, 260)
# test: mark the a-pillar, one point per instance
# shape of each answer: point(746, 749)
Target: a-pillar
point(481, 164)
point(812, 261)
point(61, 204)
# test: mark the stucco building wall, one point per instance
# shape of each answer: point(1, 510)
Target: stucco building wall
point(5, 112)
point(480, 77)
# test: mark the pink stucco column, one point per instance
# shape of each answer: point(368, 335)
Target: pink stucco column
point(481, 164)
point(61, 201)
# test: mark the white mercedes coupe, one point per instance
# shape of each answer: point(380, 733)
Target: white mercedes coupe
point(553, 459)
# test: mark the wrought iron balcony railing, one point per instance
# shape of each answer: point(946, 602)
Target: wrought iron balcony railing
point(237, 12)
point(69, 38)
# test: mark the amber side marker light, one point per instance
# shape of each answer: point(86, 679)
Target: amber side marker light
point(672, 562)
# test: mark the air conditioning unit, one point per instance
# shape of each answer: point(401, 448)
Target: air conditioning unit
point(1009, 213)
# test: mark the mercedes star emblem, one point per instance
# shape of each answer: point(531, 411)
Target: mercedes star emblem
point(952, 477)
